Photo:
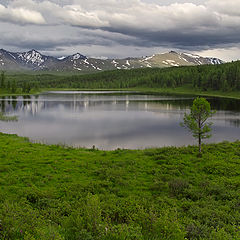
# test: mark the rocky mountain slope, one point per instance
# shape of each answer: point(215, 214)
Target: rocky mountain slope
point(34, 60)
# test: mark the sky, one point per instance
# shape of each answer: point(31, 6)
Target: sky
point(122, 28)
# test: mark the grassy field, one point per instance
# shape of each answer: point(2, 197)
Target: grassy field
point(56, 192)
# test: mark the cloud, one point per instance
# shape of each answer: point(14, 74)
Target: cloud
point(20, 15)
point(228, 7)
point(76, 16)
point(179, 24)
point(117, 14)
point(226, 54)
point(41, 38)
point(191, 24)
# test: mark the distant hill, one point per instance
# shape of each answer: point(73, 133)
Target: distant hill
point(35, 61)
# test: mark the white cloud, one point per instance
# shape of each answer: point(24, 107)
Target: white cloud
point(75, 15)
point(229, 7)
point(128, 17)
point(115, 14)
point(226, 54)
point(135, 15)
point(20, 15)
point(186, 24)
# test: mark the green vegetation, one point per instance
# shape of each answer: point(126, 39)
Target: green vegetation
point(55, 192)
point(217, 80)
point(7, 118)
point(196, 120)
point(2, 81)
point(225, 77)
point(11, 87)
point(58, 192)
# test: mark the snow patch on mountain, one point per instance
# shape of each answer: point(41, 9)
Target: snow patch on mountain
point(115, 64)
point(33, 57)
point(127, 62)
point(150, 57)
point(1, 61)
point(215, 61)
point(79, 69)
point(78, 56)
point(182, 58)
point(145, 59)
point(85, 61)
point(173, 63)
point(12, 55)
point(191, 55)
point(61, 58)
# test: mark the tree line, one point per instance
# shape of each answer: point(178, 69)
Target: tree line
point(10, 86)
point(224, 77)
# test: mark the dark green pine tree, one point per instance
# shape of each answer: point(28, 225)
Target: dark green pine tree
point(14, 87)
point(3, 78)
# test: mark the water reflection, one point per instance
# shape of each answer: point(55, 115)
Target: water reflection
point(108, 121)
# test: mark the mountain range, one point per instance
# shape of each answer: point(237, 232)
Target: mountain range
point(35, 61)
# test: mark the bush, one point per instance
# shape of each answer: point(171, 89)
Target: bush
point(177, 186)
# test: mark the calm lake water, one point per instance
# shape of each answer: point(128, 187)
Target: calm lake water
point(111, 120)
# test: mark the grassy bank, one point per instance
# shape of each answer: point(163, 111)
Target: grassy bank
point(52, 192)
point(20, 93)
point(5, 118)
point(186, 90)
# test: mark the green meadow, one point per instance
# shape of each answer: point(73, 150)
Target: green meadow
point(59, 192)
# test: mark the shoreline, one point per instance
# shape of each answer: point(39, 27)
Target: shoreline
point(152, 91)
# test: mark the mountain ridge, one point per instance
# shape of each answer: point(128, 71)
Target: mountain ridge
point(33, 60)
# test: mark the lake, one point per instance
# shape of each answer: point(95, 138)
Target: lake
point(110, 120)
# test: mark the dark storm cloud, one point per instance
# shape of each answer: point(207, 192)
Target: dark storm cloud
point(186, 40)
point(56, 38)
point(51, 24)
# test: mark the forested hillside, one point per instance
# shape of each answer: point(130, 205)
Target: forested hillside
point(221, 77)
point(224, 77)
